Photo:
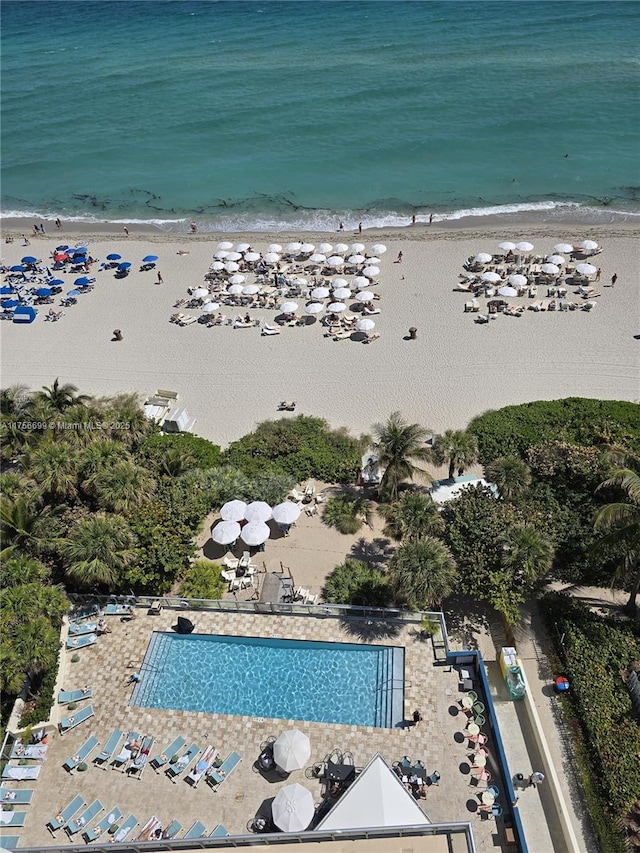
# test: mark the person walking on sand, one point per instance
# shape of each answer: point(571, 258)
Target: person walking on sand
point(160, 279)
point(598, 274)
point(341, 226)
point(58, 223)
point(430, 218)
point(126, 231)
point(399, 258)
point(359, 227)
point(614, 278)
point(535, 779)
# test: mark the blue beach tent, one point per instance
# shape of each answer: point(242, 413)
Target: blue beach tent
point(24, 314)
point(82, 282)
point(9, 303)
point(125, 265)
point(56, 282)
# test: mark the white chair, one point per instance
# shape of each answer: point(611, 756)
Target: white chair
point(231, 562)
point(310, 489)
point(243, 563)
point(300, 593)
point(311, 599)
point(229, 575)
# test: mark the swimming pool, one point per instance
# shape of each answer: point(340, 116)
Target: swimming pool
point(286, 679)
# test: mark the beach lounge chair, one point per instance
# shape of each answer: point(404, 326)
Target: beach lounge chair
point(268, 329)
point(12, 819)
point(172, 830)
point(87, 747)
point(217, 775)
point(188, 321)
point(89, 814)
point(33, 752)
point(202, 766)
point(119, 761)
point(167, 754)
point(117, 610)
point(138, 764)
point(65, 814)
point(244, 560)
point(66, 696)
point(82, 642)
point(126, 828)
point(310, 489)
point(15, 797)
point(74, 720)
point(109, 748)
point(9, 842)
point(183, 762)
point(219, 831)
point(196, 831)
point(149, 829)
point(371, 338)
point(286, 406)
point(102, 826)
point(76, 629)
point(20, 774)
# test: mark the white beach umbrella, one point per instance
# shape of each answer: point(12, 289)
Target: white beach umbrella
point(340, 282)
point(320, 293)
point(317, 258)
point(288, 307)
point(507, 246)
point(325, 248)
point(517, 280)
point(291, 750)
point(379, 248)
point(210, 307)
point(589, 245)
point(307, 248)
point(250, 289)
point(371, 272)
point(342, 293)
point(234, 289)
point(272, 257)
point(372, 260)
point(357, 248)
point(300, 281)
point(274, 247)
point(335, 261)
point(336, 307)
point(492, 277)
point(255, 533)
point(586, 269)
point(507, 291)
point(365, 325)
point(364, 296)
point(286, 513)
point(550, 269)
point(243, 247)
point(313, 308)
point(563, 247)
point(231, 266)
point(340, 248)
point(252, 256)
point(292, 808)
point(558, 260)
point(357, 259)
point(225, 245)
point(257, 511)
point(216, 266)
point(200, 293)
point(293, 248)
point(233, 511)
point(360, 281)
point(482, 258)
point(524, 246)
point(222, 254)
point(225, 532)
point(237, 279)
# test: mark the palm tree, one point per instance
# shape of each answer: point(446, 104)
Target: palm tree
point(527, 554)
point(121, 487)
point(97, 550)
point(61, 397)
point(621, 523)
point(398, 444)
point(511, 475)
point(456, 448)
point(15, 400)
point(102, 455)
point(413, 516)
point(130, 423)
point(422, 573)
point(22, 527)
point(54, 467)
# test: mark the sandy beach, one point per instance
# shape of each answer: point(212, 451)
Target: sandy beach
point(231, 379)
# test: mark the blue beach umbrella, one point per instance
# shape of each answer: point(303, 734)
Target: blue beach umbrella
point(125, 265)
point(74, 292)
point(9, 303)
point(78, 261)
point(80, 250)
point(113, 257)
point(62, 248)
point(81, 282)
point(43, 291)
point(5, 289)
point(29, 259)
point(56, 282)
point(17, 268)
point(148, 260)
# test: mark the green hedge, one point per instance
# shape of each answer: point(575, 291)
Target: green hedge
point(45, 700)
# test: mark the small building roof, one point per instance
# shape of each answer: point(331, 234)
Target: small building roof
point(446, 490)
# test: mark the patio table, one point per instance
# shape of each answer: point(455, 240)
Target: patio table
point(467, 701)
point(487, 798)
point(340, 772)
point(479, 760)
point(473, 729)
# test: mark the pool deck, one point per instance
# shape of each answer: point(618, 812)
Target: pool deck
point(106, 666)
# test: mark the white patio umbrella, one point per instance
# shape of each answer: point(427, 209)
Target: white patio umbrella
point(243, 247)
point(250, 289)
point(492, 277)
point(550, 269)
point(231, 266)
point(379, 248)
point(336, 307)
point(320, 293)
point(360, 281)
point(482, 258)
point(586, 269)
point(222, 254)
point(288, 307)
point(507, 246)
point(257, 511)
point(233, 511)
point(339, 248)
point(517, 280)
point(252, 256)
point(291, 750)
point(365, 325)
point(357, 259)
point(225, 532)
point(335, 261)
point(364, 296)
point(371, 261)
point(342, 293)
point(210, 307)
point(286, 513)
point(325, 248)
point(357, 248)
point(272, 257)
point(274, 247)
point(371, 272)
point(317, 258)
point(237, 279)
point(225, 245)
point(234, 256)
point(507, 291)
point(293, 248)
point(307, 248)
point(558, 260)
point(235, 289)
point(524, 246)
point(255, 533)
point(216, 266)
point(292, 808)
point(200, 293)
point(340, 282)
point(313, 308)
point(589, 245)
point(563, 247)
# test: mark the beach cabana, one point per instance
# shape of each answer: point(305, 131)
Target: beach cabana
point(24, 314)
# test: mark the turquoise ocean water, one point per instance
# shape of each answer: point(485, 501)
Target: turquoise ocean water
point(263, 115)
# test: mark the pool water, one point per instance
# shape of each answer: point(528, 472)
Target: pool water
point(287, 679)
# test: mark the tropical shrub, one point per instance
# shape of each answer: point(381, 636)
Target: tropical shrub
point(354, 582)
point(422, 573)
point(164, 549)
point(175, 453)
point(203, 580)
point(347, 514)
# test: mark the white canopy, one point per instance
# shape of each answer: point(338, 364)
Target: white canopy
point(550, 269)
point(225, 532)
point(289, 307)
point(243, 247)
point(365, 325)
point(274, 247)
point(558, 260)
point(517, 280)
point(313, 308)
point(210, 307)
point(342, 293)
point(325, 248)
point(340, 247)
point(200, 293)
point(589, 245)
point(293, 248)
point(524, 246)
point(237, 279)
point(272, 258)
point(507, 246)
point(317, 258)
point(492, 277)
point(563, 247)
point(371, 272)
point(257, 511)
point(255, 533)
point(307, 248)
point(225, 245)
point(586, 269)
point(252, 256)
point(320, 293)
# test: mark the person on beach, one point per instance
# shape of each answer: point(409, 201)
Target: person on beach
point(193, 227)
point(430, 218)
point(417, 717)
point(399, 258)
point(58, 223)
point(26, 240)
point(535, 779)
point(359, 227)
point(598, 274)
point(126, 231)
point(160, 279)
point(36, 230)
point(413, 219)
point(341, 226)
point(614, 278)
point(42, 231)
